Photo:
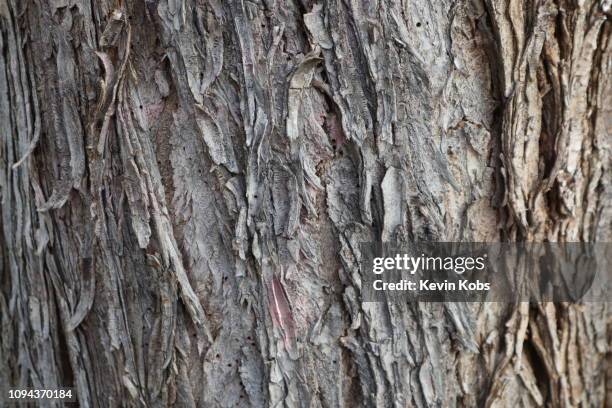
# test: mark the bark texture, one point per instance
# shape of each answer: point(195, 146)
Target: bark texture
point(185, 183)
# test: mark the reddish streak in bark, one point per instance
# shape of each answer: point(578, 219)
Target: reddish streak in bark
point(280, 311)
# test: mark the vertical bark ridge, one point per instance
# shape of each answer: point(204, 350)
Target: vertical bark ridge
point(554, 159)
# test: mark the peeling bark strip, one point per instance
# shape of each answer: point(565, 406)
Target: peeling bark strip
point(280, 310)
point(165, 165)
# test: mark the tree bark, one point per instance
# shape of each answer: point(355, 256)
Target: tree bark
point(184, 186)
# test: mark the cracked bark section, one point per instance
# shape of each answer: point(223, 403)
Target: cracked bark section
point(184, 186)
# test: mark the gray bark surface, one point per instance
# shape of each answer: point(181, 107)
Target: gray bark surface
point(184, 185)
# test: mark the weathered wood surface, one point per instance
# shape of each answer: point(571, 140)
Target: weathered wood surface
point(184, 185)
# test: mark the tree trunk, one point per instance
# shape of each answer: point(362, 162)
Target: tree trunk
point(184, 186)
